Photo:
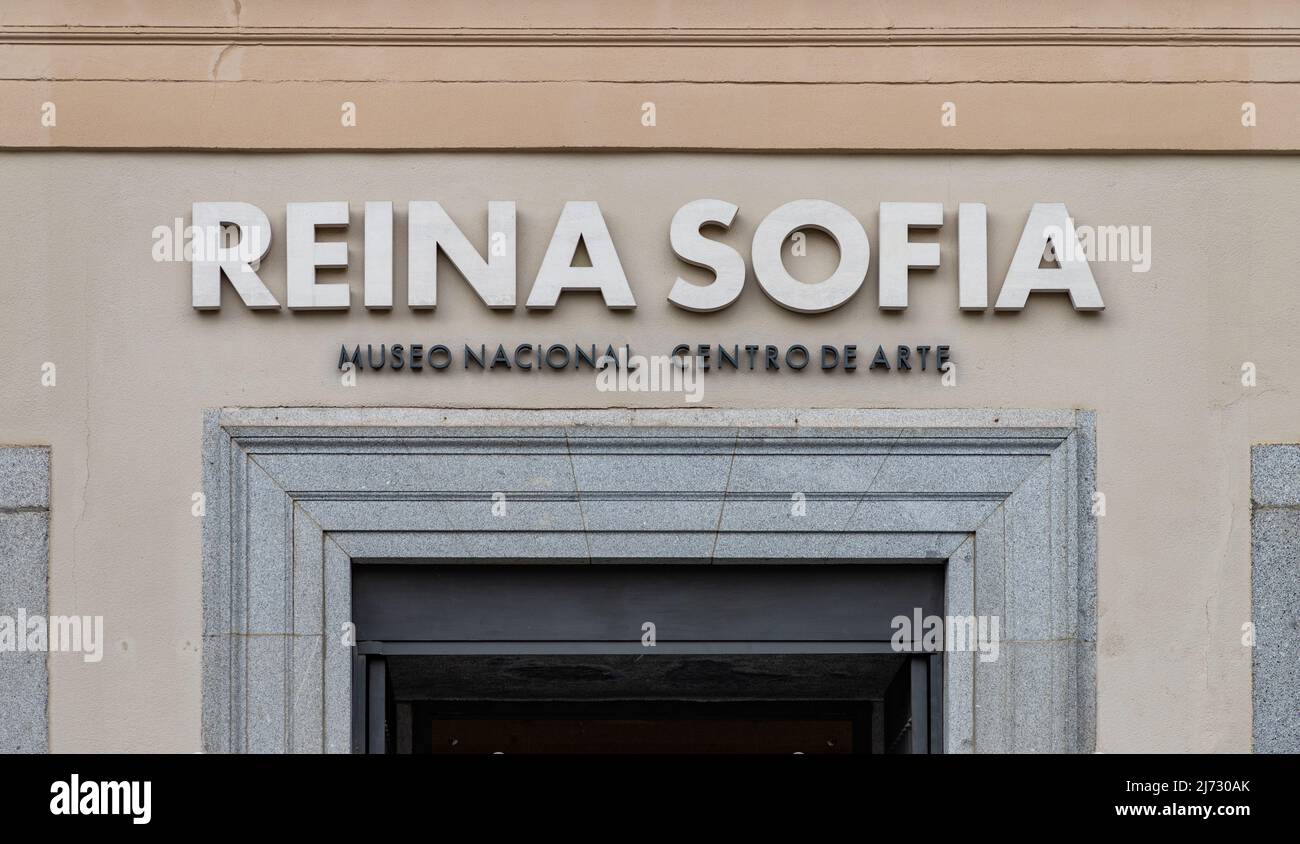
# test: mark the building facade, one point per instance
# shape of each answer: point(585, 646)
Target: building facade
point(987, 314)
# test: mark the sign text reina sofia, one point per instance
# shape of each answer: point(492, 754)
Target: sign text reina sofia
point(491, 273)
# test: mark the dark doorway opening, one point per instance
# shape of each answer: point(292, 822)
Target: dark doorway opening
point(672, 726)
point(548, 658)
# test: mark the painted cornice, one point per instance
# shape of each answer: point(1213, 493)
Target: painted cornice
point(655, 37)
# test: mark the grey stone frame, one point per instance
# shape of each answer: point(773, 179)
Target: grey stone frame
point(1275, 596)
point(294, 495)
point(24, 584)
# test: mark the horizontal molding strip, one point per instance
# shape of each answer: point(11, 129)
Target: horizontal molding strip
point(781, 496)
point(1012, 117)
point(656, 37)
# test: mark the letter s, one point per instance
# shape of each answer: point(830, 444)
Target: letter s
point(694, 248)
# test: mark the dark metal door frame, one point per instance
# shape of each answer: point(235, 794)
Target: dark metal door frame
point(914, 706)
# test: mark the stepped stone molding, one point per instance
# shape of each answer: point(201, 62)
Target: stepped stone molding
point(296, 496)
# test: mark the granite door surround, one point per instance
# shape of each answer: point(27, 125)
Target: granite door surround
point(24, 587)
point(297, 496)
point(1275, 596)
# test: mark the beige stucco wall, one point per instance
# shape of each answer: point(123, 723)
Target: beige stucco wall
point(1043, 75)
point(137, 366)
